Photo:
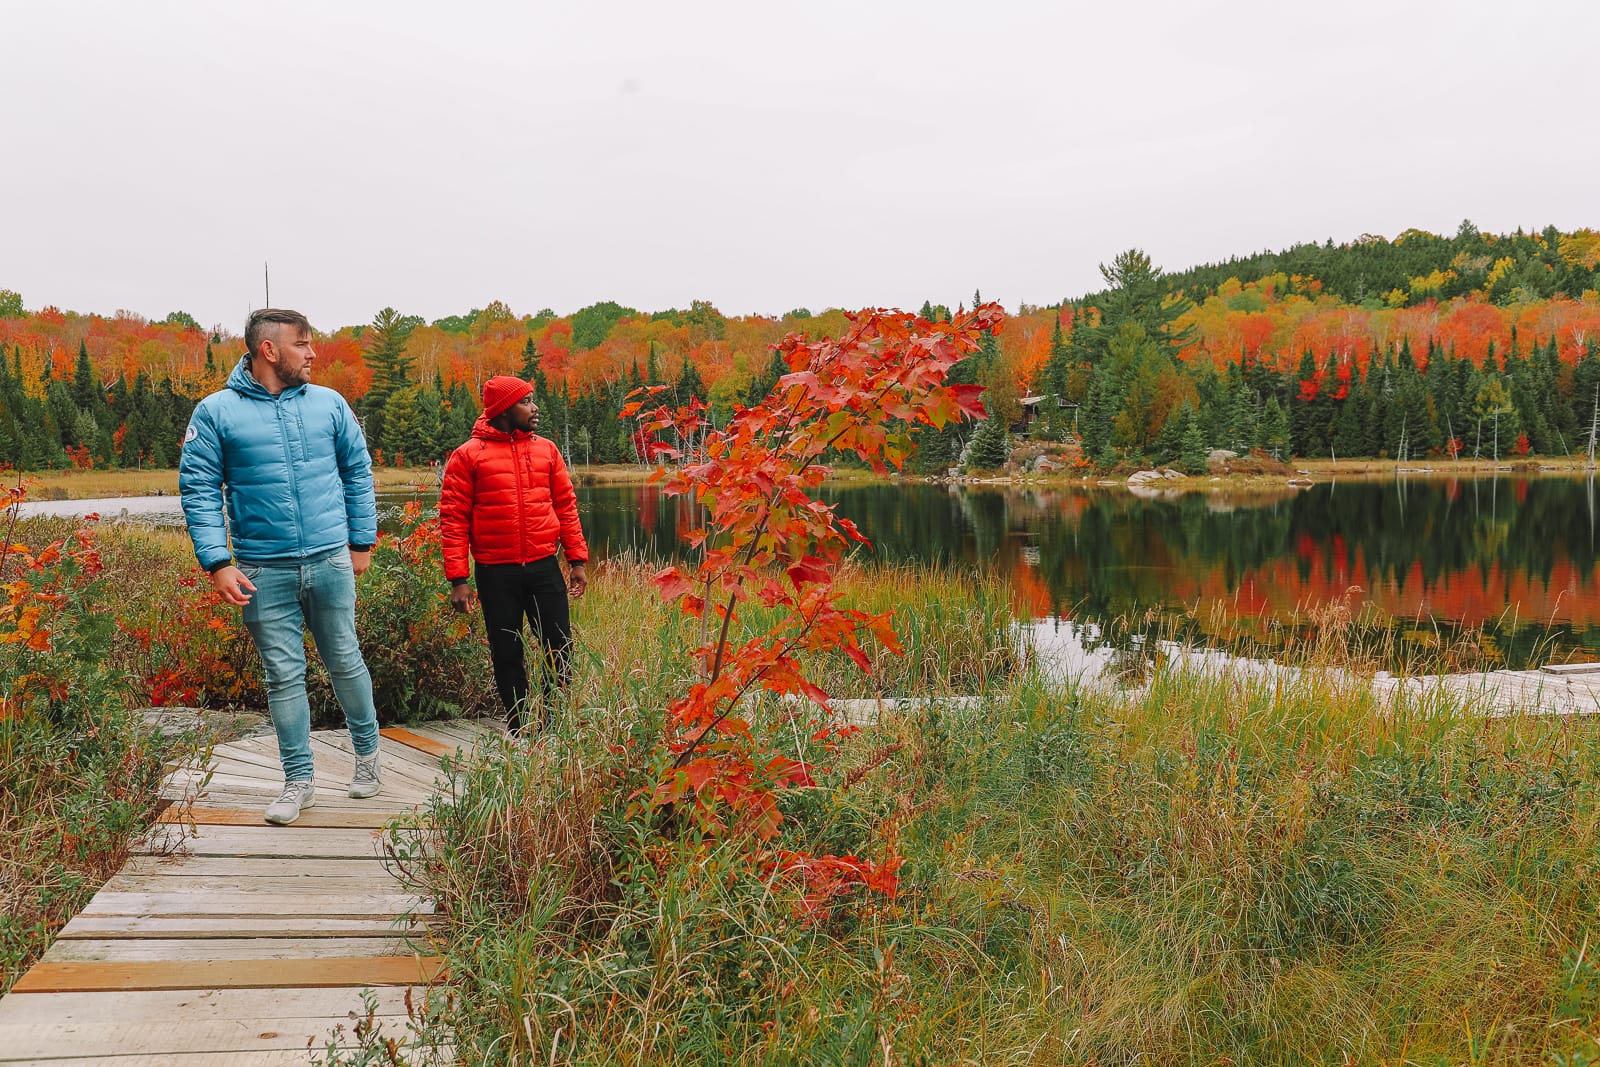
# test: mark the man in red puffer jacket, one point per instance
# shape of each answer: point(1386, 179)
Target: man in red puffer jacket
point(508, 500)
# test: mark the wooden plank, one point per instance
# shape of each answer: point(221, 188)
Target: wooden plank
point(182, 1036)
point(394, 768)
point(381, 881)
point(272, 1058)
point(142, 1005)
point(281, 841)
point(93, 950)
point(1569, 669)
point(417, 741)
point(414, 759)
point(231, 974)
point(128, 927)
point(321, 904)
point(326, 792)
point(479, 728)
point(181, 866)
point(316, 817)
point(467, 732)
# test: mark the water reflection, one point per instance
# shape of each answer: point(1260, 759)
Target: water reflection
point(1513, 560)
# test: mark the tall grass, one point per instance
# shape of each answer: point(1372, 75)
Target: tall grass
point(1216, 867)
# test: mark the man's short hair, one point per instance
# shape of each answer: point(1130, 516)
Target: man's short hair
point(261, 320)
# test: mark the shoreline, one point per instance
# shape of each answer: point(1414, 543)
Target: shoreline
point(96, 484)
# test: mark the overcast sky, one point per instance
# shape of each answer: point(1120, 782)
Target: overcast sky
point(434, 157)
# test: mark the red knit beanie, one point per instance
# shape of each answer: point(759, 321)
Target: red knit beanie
point(500, 392)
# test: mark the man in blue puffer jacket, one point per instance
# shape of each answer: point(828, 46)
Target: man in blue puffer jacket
point(287, 464)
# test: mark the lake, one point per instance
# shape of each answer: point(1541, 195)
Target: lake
point(1511, 561)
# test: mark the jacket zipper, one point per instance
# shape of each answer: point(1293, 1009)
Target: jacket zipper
point(288, 462)
point(522, 526)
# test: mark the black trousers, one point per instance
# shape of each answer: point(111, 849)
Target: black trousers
point(508, 592)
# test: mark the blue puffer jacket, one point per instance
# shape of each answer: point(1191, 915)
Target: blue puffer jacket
point(292, 471)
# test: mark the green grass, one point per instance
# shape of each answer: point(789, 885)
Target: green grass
point(1217, 870)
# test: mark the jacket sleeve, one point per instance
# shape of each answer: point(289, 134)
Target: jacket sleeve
point(355, 470)
point(565, 500)
point(455, 514)
point(200, 487)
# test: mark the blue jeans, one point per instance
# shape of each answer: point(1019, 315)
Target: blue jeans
point(319, 593)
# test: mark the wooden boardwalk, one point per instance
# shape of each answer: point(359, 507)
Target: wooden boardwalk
point(225, 941)
point(1555, 690)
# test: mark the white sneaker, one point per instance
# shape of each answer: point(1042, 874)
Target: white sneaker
point(365, 782)
point(297, 796)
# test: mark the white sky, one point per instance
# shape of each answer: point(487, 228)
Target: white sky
point(761, 156)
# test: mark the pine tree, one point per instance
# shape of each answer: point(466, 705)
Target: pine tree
point(87, 393)
point(531, 360)
point(1195, 449)
point(385, 342)
point(1275, 429)
point(991, 444)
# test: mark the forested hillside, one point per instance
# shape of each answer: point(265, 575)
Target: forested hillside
point(1474, 344)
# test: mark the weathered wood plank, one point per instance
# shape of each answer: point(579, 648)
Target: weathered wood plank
point(283, 884)
point(273, 1058)
point(320, 904)
point(231, 974)
point(184, 866)
point(280, 841)
point(142, 1005)
point(326, 791)
point(129, 927)
point(116, 1040)
point(1570, 669)
point(105, 950)
point(396, 771)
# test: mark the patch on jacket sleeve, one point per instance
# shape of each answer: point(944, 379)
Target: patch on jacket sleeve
point(190, 434)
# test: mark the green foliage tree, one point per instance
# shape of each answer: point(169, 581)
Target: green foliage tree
point(592, 325)
point(385, 343)
point(991, 444)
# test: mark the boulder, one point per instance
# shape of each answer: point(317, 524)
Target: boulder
point(1219, 457)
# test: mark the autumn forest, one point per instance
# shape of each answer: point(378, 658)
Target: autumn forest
point(1419, 346)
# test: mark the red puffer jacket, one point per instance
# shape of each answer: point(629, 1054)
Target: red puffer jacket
point(509, 499)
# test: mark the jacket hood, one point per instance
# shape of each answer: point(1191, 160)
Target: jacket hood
point(244, 383)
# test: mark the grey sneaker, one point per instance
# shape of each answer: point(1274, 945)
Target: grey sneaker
point(297, 796)
point(365, 782)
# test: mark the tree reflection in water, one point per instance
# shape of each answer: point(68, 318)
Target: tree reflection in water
point(1441, 573)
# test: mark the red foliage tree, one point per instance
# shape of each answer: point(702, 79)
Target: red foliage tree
point(770, 540)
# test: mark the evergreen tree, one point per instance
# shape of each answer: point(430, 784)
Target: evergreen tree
point(991, 444)
point(1100, 406)
point(1195, 449)
point(385, 342)
point(404, 438)
point(1275, 429)
point(531, 361)
point(86, 391)
point(689, 385)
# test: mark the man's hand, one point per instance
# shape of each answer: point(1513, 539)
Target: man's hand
point(461, 596)
point(577, 581)
point(233, 585)
point(360, 561)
